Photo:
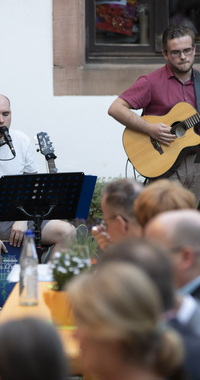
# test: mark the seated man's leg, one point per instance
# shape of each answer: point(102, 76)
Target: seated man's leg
point(54, 232)
point(5, 230)
point(57, 233)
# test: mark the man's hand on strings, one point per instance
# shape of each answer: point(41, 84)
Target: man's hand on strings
point(162, 133)
point(17, 233)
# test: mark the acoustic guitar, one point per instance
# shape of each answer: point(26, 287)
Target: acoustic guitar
point(47, 149)
point(152, 159)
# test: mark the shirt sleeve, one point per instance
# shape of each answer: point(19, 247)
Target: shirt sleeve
point(31, 165)
point(139, 94)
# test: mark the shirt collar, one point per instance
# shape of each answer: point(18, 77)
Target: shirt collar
point(171, 74)
point(190, 287)
point(187, 309)
point(169, 71)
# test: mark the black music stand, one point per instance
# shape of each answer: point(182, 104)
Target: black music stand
point(38, 196)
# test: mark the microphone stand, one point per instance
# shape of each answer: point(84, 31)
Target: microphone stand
point(7, 139)
point(2, 143)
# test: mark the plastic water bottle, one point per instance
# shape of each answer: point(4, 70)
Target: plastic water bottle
point(28, 271)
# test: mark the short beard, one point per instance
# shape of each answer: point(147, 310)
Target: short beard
point(177, 70)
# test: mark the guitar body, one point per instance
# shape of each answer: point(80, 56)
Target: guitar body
point(153, 162)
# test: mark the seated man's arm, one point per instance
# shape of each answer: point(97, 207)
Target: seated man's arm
point(3, 248)
point(120, 110)
point(17, 233)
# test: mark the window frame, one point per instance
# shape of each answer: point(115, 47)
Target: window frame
point(129, 53)
point(71, 74)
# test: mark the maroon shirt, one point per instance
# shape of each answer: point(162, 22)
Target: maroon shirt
point(159, 91)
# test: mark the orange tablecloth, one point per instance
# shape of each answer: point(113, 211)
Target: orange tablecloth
point(12, 310)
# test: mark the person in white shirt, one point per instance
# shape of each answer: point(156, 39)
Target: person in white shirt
point(54, 231)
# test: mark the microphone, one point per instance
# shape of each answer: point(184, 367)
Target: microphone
point(8, 140)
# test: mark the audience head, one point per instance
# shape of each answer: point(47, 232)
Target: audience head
point(150, 257)
point(162, 195)
point(117, 207)
point(117, 310)
point(31, 349)
point(179, 231)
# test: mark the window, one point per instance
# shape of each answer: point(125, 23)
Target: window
point(80, 56)
point(130, 31)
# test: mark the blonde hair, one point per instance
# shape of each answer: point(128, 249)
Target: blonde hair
point(162, 195)
point(119, 302)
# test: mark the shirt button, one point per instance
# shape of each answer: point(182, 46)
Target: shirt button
point(185, 98)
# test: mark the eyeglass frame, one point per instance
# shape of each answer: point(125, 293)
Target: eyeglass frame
point(179, 52)
point(104, 221)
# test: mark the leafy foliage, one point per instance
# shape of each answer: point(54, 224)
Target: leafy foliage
point(76, 258)
point(65, 265)
point(95, 207)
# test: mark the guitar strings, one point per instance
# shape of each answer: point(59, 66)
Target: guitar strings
point(195, 118)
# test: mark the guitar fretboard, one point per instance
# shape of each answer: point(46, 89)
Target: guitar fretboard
point(52, 166)
point(188, 123)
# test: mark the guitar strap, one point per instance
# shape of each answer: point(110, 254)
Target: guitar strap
point(196, 81)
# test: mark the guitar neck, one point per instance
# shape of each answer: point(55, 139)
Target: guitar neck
point(192, 120)
point(52, 166)
point(47, 150)
point(187, 123)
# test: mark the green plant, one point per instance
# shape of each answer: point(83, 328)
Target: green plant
point(95, 207)
point(72, 260)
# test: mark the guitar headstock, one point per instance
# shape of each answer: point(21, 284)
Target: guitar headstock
point(45, 145)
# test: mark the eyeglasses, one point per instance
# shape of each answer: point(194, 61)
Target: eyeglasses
point(177, 53)
point(104, 221)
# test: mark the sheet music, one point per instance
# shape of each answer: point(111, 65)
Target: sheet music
point(6, 266)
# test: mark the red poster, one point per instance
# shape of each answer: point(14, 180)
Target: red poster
point(116, 18)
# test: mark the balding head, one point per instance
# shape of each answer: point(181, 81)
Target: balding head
point(175, 227)
point(5, 113)
point(3, 97)
point(180, 232)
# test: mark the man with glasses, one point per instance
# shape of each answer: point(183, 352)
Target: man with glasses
point(157, 92)
point(119, 221)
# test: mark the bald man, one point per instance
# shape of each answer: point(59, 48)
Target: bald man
point(180, 232)
point(53, 232)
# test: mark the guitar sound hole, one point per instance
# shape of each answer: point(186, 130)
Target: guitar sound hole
point(180, 131)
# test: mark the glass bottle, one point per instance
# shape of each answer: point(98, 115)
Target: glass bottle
point(28, 271)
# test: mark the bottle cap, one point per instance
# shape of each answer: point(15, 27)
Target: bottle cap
point(29, 233)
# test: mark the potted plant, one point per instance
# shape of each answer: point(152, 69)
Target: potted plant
point(69, 262)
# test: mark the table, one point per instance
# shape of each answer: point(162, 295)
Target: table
point(12, 310)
